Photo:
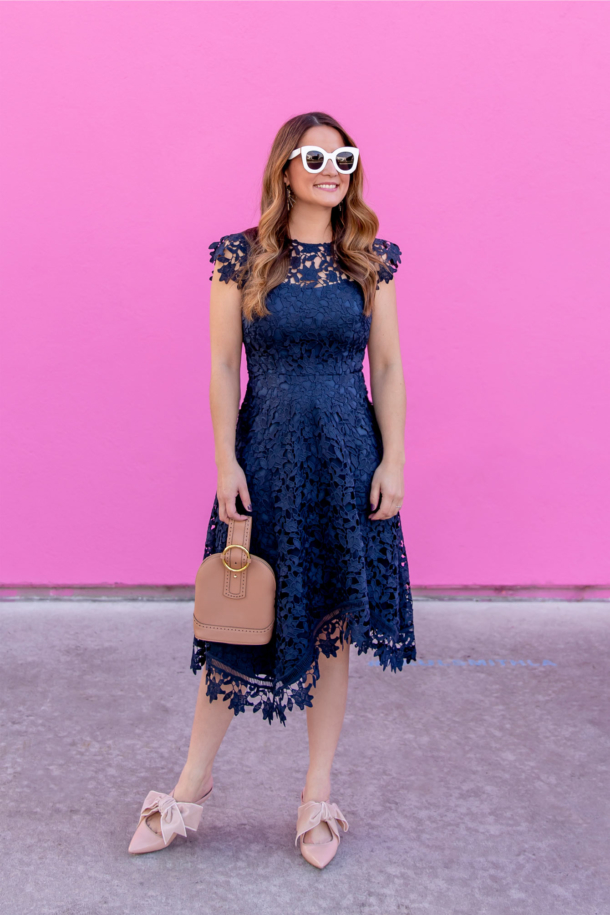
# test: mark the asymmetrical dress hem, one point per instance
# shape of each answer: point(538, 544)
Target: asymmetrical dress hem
point(295, 690)
point(308, 441)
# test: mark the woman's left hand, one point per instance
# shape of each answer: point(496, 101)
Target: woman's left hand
point(388, 481)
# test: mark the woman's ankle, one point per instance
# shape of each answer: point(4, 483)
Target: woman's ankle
point(193, 784)
point(317, 787)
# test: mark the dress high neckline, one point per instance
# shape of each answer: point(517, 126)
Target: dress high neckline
point(311, 244)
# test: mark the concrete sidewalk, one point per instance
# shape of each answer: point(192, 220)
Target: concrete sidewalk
point(475, 782)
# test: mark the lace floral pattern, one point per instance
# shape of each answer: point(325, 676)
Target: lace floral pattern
point(311, 265)
point(308, 441)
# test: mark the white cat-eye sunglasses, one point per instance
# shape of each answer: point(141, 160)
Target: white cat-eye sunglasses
point(345, 159)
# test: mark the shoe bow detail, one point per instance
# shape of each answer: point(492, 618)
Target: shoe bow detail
point(315, 812)
point(176, 816)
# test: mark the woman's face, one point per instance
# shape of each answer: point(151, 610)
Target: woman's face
point(326, 188)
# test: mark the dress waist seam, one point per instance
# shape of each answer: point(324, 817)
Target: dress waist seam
point(313, 374)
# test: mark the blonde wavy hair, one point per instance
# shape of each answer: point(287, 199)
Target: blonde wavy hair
point(354, 224)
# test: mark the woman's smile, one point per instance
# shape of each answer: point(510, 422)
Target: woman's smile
point(327, 187)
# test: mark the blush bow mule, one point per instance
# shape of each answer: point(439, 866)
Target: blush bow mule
point(176, 818)
point(311, 814)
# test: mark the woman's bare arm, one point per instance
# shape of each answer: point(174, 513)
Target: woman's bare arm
point(225, 392)
point(390, 401)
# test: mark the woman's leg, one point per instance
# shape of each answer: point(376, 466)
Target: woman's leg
point(324, 722)
point(212, 719)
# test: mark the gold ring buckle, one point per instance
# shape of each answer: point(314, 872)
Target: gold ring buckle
point(236, 546)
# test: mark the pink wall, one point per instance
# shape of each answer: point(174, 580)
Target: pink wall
point(135, 134)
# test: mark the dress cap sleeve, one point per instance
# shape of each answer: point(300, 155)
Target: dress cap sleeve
point(390, 253)
point(232, 253)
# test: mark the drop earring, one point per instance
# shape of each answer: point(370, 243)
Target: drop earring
point(289, 197)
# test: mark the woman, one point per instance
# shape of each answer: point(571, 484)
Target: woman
point(305, 456)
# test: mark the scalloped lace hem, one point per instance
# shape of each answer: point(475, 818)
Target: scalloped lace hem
point(274, 700)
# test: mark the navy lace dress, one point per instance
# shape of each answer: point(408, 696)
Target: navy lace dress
point(308, 442)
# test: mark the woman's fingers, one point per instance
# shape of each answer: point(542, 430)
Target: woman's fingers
point(390, 506)
point(386, 483)
point(231, 484)
point(245, 497)
point(374, 495)
point(227, 510)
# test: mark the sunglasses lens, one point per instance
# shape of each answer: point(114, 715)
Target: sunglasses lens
point(315, 159)
point(345, 160)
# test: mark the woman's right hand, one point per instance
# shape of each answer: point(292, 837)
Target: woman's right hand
point(231, 481)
